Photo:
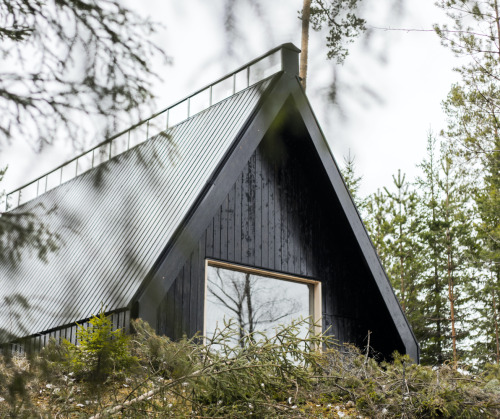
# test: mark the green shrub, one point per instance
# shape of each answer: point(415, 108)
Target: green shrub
point(101, 352)
point(280, 375)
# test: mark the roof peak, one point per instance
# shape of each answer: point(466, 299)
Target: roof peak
point(283, 58)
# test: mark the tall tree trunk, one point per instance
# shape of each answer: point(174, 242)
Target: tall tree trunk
point(248, 295)
point(241, 323)
point(437, 291)
point(435, 256)
point(306, 13)
point(495, 318)
point(451, 296)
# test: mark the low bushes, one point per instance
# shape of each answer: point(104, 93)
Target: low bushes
point(268, 376)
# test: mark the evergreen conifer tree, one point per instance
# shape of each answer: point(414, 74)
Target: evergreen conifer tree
point(458, 241)
point(472, 107)
point(377, 222)
point(448, 240)
point(352, 180)
point(435, 338)
point(403, 244)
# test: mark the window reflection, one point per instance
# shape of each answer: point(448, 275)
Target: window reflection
point(255, 303)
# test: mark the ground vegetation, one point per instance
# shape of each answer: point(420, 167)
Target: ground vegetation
point(280, 375)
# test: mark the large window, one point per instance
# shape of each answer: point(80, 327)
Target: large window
point(257, 300)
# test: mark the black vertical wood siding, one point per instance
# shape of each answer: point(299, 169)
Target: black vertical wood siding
point(119, 319)
point(282, 214)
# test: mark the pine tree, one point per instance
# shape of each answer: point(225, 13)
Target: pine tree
point(352, 180)
point(402, 242)
point(304, 42)
point(487, 290)
point(486, 331)
point(394, 222)
point(435, 337)
point(457, 241)
point(448, 243)
point(473, 108)
point(377, 222)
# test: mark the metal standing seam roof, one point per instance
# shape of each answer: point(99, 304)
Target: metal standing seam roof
point(114, 221)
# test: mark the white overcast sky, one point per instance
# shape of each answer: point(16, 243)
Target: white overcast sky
point(408, 74)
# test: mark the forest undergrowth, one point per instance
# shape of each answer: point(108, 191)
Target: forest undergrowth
point(280, 375)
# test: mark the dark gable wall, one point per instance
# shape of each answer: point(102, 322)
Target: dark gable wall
point(282, 215)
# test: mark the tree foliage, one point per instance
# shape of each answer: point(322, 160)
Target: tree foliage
point(64, 61)
point(473, 107)
point(436, 337)
point(449, 219)
point(101, 351)
point(269, 376)
point(404, 266)
point(425, 237)
point(450, 244)
point(66, 66)
point(21, 230)
point(342, 23)
point(352, 181)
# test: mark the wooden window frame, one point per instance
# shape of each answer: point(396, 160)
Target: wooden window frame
point(314, 302)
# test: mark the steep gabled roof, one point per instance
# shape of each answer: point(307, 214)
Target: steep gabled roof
point(127, 226)
point(286, 89)
point(115, 220)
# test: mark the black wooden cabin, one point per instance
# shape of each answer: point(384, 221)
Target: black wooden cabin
point(245, 185)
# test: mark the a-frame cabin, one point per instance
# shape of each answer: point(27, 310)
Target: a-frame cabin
point(246, 187)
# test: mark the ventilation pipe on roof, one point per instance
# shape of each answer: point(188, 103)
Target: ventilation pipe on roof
point(290, 59)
